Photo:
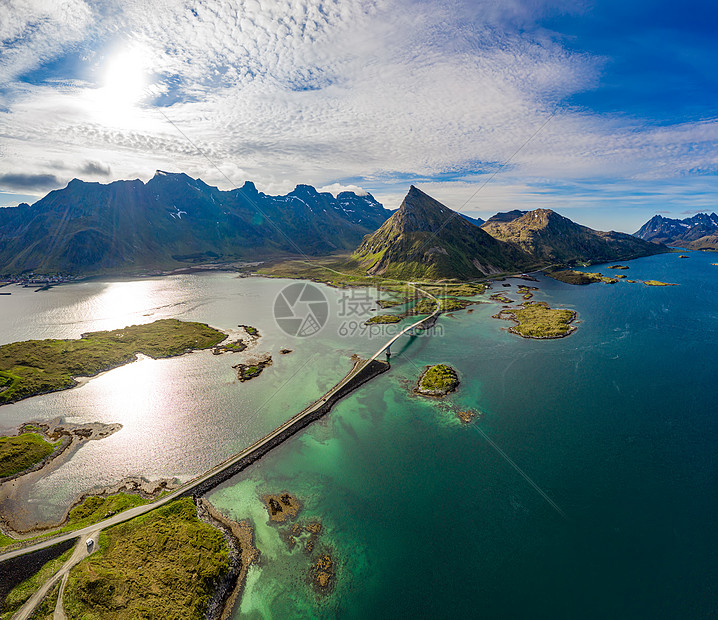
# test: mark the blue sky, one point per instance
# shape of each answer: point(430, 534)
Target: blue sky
point(604, 111)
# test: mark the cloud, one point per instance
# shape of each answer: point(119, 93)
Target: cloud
point(694, 211)
point(321, 91)
point(28, 182)
point(337, 188)
point(96, 168)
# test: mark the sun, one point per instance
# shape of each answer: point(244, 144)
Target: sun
point(123, 86)
point(125, 78)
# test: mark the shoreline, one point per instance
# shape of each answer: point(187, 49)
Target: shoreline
point(242, 552)
point(13, 488)
point(135, 485)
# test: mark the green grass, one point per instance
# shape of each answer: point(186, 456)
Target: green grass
point(96, 508)
point(17, 597)
point(383, 319)
point(39, 366)
point(538, 320)
point(570, 276)
point(446, 304)
point(438, 378)
point(164, 564)
point(23, 451)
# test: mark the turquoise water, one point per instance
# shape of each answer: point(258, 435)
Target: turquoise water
point(616, 424)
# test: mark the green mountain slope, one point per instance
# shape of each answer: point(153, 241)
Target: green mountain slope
point(552, 238)
point(425, 239)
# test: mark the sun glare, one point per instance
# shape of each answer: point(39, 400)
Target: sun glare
point(123, 87)
point(125, 76)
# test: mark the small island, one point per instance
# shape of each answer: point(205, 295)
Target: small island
point(571, 276)
point(618, 267)
point(657, 283)
point(535, 319)
point(245, 372)
point(252, 331)
point(501, 298)
point(446, 304)
point(466, 415)
point(36, 367)
point(390, 303)
point(526, 291)
point(437, 381)
point(236, 346)
point(383, 319)
point(322, 572)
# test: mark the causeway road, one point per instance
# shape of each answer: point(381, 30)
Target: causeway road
point(257, 448)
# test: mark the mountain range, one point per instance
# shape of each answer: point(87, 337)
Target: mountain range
point(699, 232)
point(174, 220)
point(426, 239)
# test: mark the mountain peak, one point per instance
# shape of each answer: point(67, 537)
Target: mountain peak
point(699, 232)
point(425, 239)
point(303, 188)
point(553, 238)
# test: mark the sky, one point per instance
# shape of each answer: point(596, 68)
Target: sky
point(604, 111)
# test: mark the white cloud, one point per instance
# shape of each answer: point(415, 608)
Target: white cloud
point(338, 188)
point(289, 91)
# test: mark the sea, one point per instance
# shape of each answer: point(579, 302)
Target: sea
point(585, 487)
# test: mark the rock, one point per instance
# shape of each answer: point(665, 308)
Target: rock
point(282, 507)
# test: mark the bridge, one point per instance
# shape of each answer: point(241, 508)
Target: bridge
point(361, 372)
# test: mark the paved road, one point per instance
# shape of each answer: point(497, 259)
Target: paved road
point(83, 533)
